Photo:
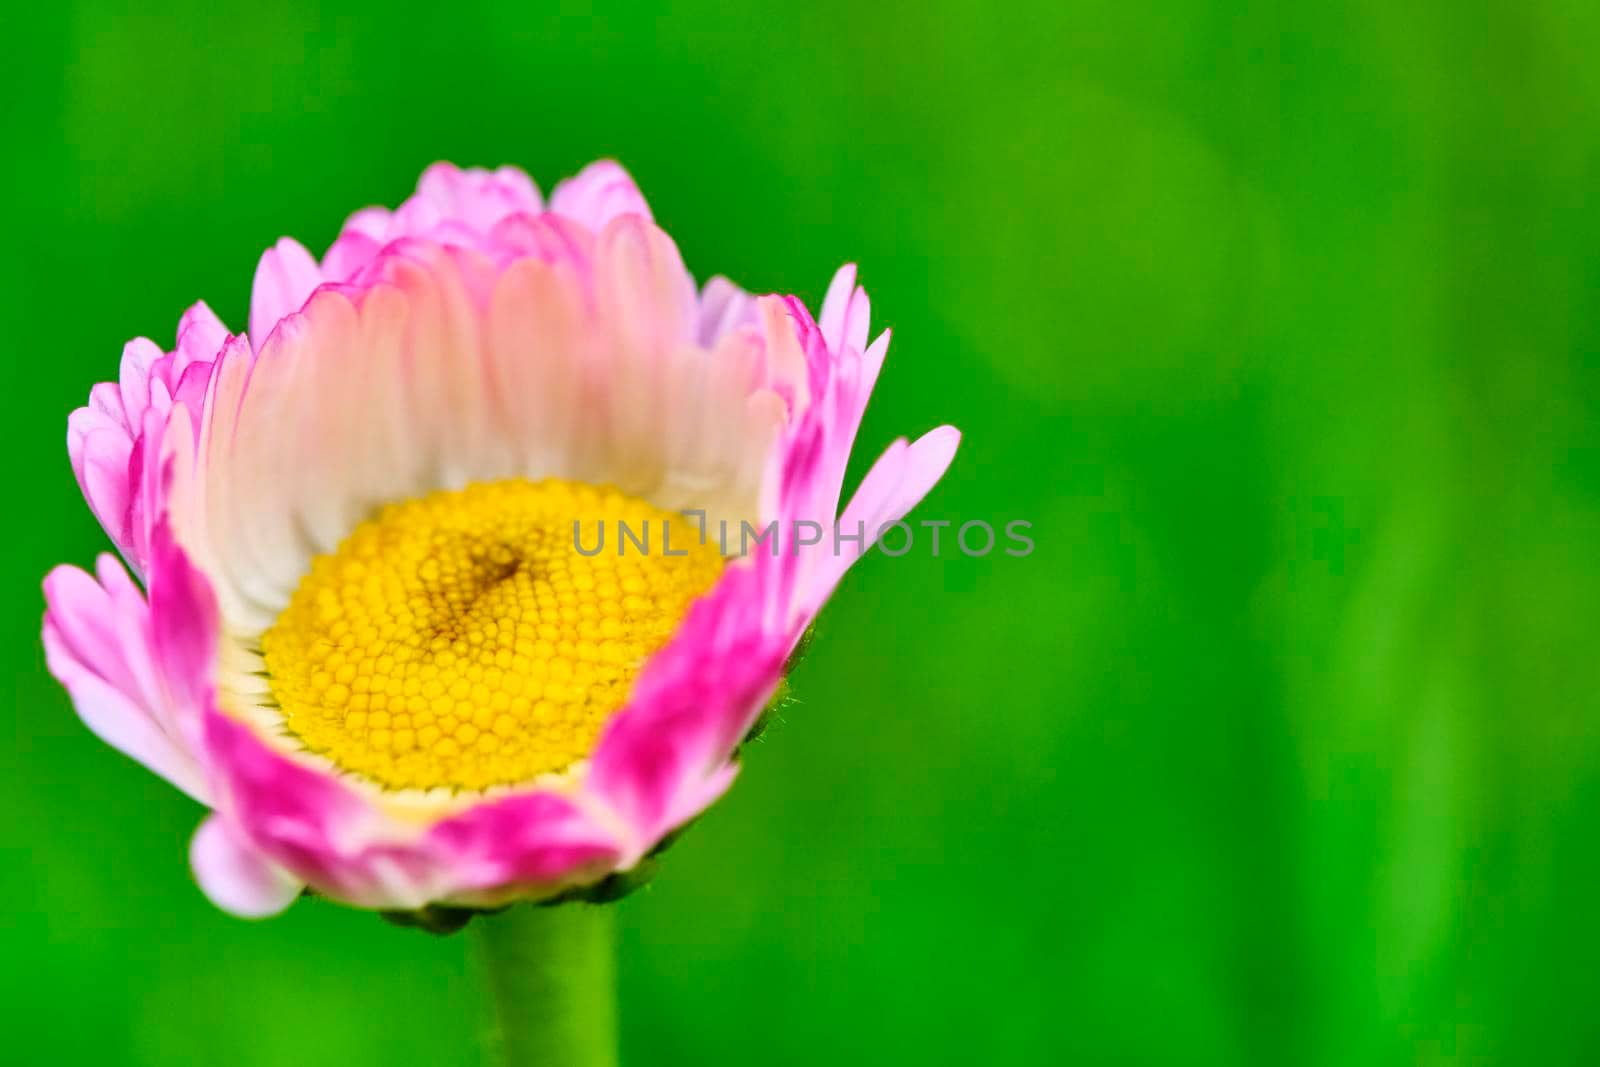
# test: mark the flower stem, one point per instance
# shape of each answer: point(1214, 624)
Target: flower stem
point(552, 982)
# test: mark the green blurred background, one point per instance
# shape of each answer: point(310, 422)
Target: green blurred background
point(1278, 321)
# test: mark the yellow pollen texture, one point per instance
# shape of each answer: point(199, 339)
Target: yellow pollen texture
point(462, 640)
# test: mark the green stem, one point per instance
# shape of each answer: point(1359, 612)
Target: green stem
point(552, 982)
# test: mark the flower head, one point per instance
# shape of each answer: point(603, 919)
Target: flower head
point(375, 635)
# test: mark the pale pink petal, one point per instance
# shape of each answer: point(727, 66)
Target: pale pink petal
point(108, 440)
point(139, 357)
point(100, 451)
point(372, 222)
point(237, 878)
point(285, 278)
point(541, 347)
point(645, 311)
point(477, 198)
point(648, 296)
point(599, 193)
point(443, 379)
point(700, 794)
point(148, 480)
point(417, 217)
point(895, 484)
point(547, 237)
point(846, 312)
point(871, 364)
point(99, 644)
point(201, 336)
point(724, 307)
point(930, 456)
point(348, 255)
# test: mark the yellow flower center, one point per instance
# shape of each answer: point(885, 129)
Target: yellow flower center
point(475, 638)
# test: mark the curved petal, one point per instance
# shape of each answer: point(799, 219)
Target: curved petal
point(724, 307)
point(139, 358)
point(599, 193)
point(476, 197)
point(846, 312)
point(284, 280)
point(201, 336)
point(100, 450)
point(185, 630)
point(664, 756)
point(351, 252)
point(306, 821)
point(237, 878)
point(339, 842)
point(895, 484)
point(99, 643)
point(452, 206)
point(524, 845)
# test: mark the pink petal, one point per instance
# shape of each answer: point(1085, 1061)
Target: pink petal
point(373, 222)
point(237, 878)
point(348, 255)
point(185, 625)
point(930, 456)
point(477, 198)
point(601, 192)
point(547, 237)
point(100, 452)
point(537, 839)
point(139, 356)
point(98, 644)
point(724, 307)
point(895, 484)
point(303, 819)
point(201, 336)
point(664, 755)
point(645, 292)
point(285, 278)
point(846, 312)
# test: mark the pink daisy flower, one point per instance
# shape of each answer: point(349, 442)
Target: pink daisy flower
point(367, 624)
